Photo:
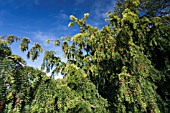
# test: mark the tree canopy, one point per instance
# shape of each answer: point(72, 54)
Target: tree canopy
point(123, 67)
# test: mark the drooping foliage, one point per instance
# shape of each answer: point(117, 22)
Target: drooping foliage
point(24, 89)
point(124, 67)
point(115, 61)
point(156, 45)
point(73, 94)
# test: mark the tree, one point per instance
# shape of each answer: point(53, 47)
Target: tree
point(156, 46)
point(116, 64)
point(120, 54)
point(75, 93)
point(115, 69)
point(25, 89)
point(8, 68)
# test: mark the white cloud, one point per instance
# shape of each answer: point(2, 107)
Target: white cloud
point(99, 11)
point(61, 16)
point(60, 24)
point(42, 37)
point(101, 8)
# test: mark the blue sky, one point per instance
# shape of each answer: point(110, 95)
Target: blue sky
point(40, 20)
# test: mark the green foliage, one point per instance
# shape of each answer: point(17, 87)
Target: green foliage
point(34, 51)
point(56, 43)
point(71, 94)
point(124, 67)
point(155, 41)
point(150, 8)
point(25, 89)
point(24, 44)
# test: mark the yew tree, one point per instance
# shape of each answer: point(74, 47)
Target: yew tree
point(156, 46)
point(25, 89)
point(119, 68)
point(117, 61)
